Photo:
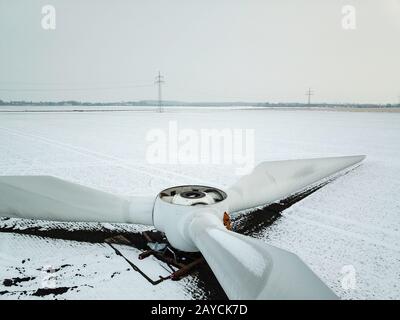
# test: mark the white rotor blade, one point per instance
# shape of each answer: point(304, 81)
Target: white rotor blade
point(247, 268)
point(275, 180)
point(49, 198)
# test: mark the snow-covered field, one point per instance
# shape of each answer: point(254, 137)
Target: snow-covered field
point(348, 231)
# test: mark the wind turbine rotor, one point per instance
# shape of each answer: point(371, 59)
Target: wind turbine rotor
point(192, 218)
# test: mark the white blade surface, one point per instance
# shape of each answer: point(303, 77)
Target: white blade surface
point(275, 180)
point(49, 198)
point(248, 268)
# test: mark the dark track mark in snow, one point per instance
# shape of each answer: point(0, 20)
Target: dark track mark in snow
point(55, 291)
point(15, 281)
point(53, 270)
point(58, 269)
point(91, 236)
point(253, 223)
point(23, 292)
point(44, 291)
point(209, 284)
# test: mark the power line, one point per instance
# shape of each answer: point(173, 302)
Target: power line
point(73, 89)
point(309, 93)
point(159, 82)
point(63, 83)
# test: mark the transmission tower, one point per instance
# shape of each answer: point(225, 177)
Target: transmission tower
point(309, 93)
point(159, 82)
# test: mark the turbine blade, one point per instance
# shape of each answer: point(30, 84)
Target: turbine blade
point(49, 198)
point(247, 268)
point(276, 180)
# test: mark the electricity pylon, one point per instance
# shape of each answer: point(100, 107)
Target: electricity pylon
point(309, 93)
point(159, 82)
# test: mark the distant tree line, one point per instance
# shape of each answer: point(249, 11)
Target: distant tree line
point(153, 103)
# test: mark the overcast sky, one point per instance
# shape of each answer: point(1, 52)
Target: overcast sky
point(208, 50)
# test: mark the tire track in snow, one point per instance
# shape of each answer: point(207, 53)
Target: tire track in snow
point(344, 232)
point(141, 168)
point(362, 226)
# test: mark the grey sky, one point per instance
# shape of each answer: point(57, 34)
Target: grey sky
point(208, 50)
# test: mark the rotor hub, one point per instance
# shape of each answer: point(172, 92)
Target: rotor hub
point(175, 208)
point(192, 195)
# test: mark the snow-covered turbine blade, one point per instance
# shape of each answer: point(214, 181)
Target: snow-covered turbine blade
point(275, 180)
point(49, 198)
point(247, 268)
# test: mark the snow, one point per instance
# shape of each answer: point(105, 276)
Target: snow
point(353, 221)
point(90, 270)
